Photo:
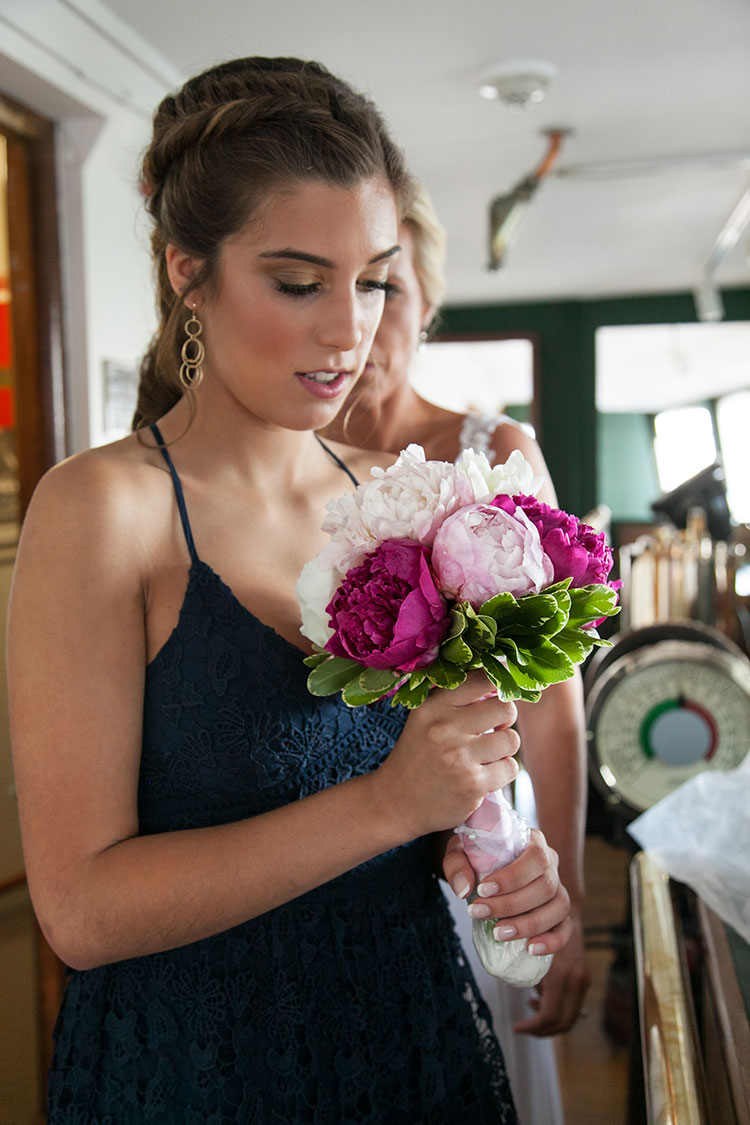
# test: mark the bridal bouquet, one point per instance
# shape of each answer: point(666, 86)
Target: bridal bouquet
point(436, 568)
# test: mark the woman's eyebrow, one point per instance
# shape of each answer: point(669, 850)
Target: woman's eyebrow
point(301, 256)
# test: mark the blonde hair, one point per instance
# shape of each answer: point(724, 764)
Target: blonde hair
point(429, 245)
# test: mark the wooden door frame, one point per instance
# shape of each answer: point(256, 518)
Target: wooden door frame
point(36, 305)
point(38, 367)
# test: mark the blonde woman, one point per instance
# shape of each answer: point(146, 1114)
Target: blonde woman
point(385, 412)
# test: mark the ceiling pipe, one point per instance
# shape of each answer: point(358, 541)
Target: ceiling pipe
point(707, 295)
point(507, 211)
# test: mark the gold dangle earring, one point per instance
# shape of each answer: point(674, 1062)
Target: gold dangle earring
point(193, 353)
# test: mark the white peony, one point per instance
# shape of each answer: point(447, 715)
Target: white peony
point(408, 500)
point(510, 479)
point(315, 588)
point(344, 523)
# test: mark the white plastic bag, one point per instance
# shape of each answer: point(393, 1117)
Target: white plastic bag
point(700, 835)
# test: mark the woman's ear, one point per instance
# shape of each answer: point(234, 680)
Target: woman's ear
point(182, 269)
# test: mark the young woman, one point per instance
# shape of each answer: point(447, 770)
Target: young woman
point(240, 876)
point(383, 411)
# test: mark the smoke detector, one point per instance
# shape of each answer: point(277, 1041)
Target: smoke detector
point(519, 82)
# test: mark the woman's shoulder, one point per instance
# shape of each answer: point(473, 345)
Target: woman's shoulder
point(101, 492)
point(95, 475)
point(511, 435)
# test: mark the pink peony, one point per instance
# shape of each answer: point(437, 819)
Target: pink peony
point(483, 550)
point(387, 612)
point(575, 549)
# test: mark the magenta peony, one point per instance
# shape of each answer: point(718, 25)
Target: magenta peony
point(574, 548)
point(387, 612)
point(483, 550)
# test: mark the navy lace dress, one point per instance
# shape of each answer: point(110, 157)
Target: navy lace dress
point(351, 1003)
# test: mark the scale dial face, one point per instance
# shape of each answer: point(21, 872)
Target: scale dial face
point(662, 714)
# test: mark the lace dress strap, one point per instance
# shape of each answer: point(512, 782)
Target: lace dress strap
point(178, 492)
point(478, 428)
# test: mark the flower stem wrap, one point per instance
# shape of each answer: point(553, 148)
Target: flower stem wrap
point(493, 836)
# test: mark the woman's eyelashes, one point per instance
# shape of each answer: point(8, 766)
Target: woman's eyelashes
point(293, 289)
point(307, 289)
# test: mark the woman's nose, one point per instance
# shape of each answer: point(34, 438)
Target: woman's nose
point(341, 326)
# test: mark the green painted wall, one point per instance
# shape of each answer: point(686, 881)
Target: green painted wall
point(564, 336)
point(626, 471)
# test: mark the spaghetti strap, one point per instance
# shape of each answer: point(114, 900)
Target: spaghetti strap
point(339, 462)
point(178, 492)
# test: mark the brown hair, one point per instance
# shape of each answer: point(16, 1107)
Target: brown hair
point(218, 146)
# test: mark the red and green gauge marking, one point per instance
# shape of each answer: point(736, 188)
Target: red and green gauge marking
point(678, 731)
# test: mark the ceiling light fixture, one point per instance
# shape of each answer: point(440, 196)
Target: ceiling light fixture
point(519, 83)
point(507, 211)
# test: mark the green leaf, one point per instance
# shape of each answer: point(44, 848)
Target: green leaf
point(535, 610)
point(376, 679)
point(316, 658)
point(333, 675)
point(507, 646)
point(499, 606)
point(411, 696)
point(445, 675)
point(549, 664)
point(480, 632)
point(557, 587)
point(458, 622)
point(557, 621)
point(487, 624)
point(588, 603)
point(529, 696)
point(354, 695)
point(456, 651)
point(499, 675)
point(575, 647)
point(417, 677)
point(522, 678)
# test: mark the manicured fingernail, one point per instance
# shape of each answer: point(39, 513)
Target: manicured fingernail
point(536, 949)
point(504, 933)
point(479, 910)
point(484, 890)
point(460, 886)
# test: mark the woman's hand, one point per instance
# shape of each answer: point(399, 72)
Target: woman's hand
point(526, 897)
point(560, 994)
point(454, 749)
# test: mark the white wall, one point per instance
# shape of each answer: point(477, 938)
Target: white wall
point(77, 64)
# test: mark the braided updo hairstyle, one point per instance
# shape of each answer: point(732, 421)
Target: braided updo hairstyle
point(218, 146)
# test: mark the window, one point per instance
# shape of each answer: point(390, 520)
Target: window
point(485, 375)
point(733, 420)
point(684, 444)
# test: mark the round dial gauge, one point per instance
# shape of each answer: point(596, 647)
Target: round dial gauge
point(660, 714)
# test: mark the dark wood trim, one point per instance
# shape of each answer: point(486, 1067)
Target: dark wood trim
point(36, 307)
point(38, 372)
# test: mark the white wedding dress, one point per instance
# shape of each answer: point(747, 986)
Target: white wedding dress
point(530, 1061)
